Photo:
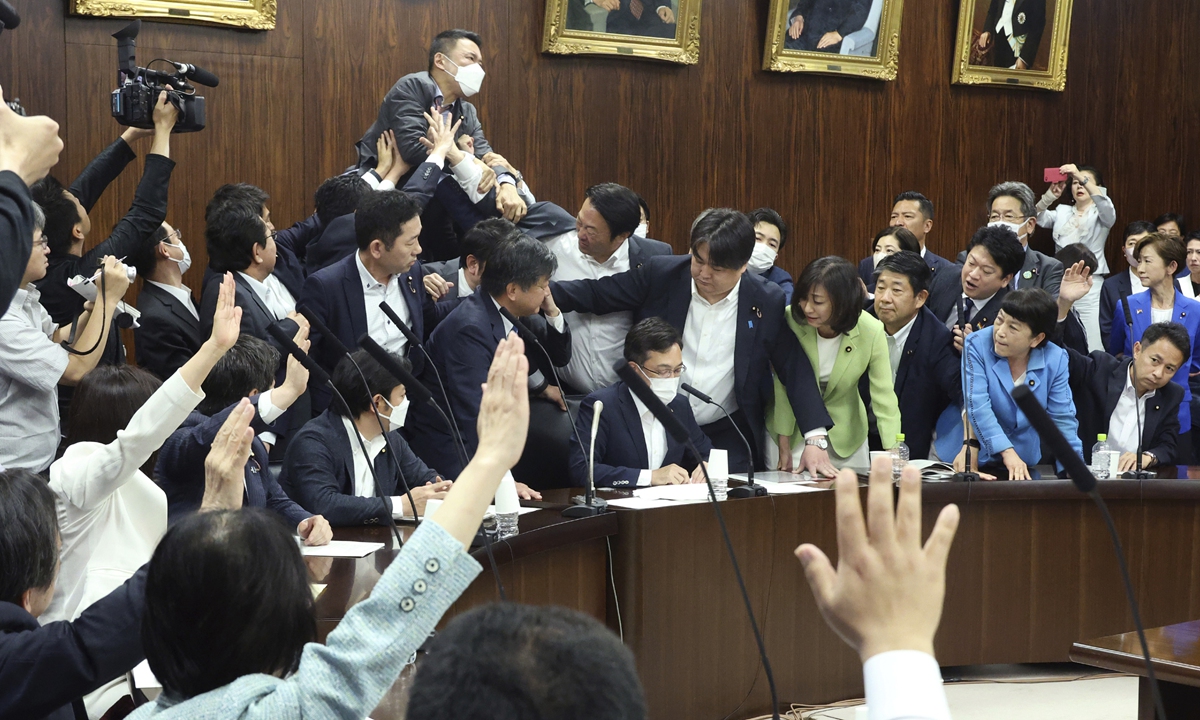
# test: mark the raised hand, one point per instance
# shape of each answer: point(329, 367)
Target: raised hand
point(227, 320)
point(439, 138)
point(29, 146)
point(383, 153)
point(887, 591)
point(504, 411)
point(1076, 282)
point(225, 464)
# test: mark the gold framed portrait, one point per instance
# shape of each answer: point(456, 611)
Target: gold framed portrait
point(835, 37)
point(248, 14)
point(1014, 43)
point(654, 29)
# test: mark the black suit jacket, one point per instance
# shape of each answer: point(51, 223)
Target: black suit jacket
point(928, 380)
point(16, 235)
point(318, 471)
point(866, 267)
point(945, 296)
point(462, 347)
point(662, 287)
point(256, 317)
point(1043, 271)
point(1097, 381)
point(621, 452)
point(1117, 286)
point(168, 334)
point(46, 670)
point(1028, 18)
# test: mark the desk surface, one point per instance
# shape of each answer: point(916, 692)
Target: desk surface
point(1174, 650)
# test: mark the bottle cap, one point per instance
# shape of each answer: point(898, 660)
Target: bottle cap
point(899, 437)
point(1101, 437)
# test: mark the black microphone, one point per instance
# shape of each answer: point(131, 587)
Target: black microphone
point(528, 336)
point(1079, 473)
point(414, 341)
point(197, 74)
point(326, 335)
point(1138, 473)
point(315, 370)
point(676, 430)
point(967, 475)
point(8, 16)
point(742, 491)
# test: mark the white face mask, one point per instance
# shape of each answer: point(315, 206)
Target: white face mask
point(762, 258)
point(186, 261)
point(1015, 227)
point(642, 229)
point(664, 388)
point(877, 257)
point(469, 77)
point(399, 412)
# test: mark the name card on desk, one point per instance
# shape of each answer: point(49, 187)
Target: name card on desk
point(341, 548)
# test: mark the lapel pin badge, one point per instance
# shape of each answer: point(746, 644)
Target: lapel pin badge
point(757, 312)
point(1139, 312)
point(1028, 274)
point(1020, 18)
point(1030, 383)
point(411, 288)
point(849, 349)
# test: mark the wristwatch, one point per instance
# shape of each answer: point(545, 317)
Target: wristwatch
point(1153, 458)
point(820, 441)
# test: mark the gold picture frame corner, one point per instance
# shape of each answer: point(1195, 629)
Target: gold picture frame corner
point(261, 15)
point(558, 40)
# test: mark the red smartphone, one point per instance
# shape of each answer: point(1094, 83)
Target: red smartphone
point(1054, 175)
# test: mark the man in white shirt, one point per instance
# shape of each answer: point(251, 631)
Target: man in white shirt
point(168, 331)
point(632, 447)
point(602, 244)
point(33, 363)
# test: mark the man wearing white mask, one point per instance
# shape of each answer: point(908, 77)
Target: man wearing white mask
point(632, 447)
point(455, 72)
point(1013, 205)
point(770, 235)
point(325, 466)
point(604, 242)
point(168, 332)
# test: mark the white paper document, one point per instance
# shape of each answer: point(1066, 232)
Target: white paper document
point(690, 492)
point(791, 488)
point(341, 548)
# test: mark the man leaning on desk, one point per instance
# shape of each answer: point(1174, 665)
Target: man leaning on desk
point(632, 448)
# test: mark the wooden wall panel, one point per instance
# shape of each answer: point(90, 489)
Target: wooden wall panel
point(828, 152)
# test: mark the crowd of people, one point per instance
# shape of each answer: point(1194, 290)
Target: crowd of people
point(120, 480)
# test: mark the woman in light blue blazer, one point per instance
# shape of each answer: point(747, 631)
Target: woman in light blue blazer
point(1015, 351)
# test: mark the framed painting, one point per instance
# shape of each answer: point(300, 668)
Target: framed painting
point(248, 14)
point(1016, 43)
point(655, 29)
point(836, 37)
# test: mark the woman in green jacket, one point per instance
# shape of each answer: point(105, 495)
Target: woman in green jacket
point(843, 343)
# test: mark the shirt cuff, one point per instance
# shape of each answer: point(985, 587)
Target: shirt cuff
point(398, 507)
point(268, 438)
point(266, 410)
point(815, 432)
point(557, 322)
point(372, 178)
point(467, 174)
point(644, 478)
point(386, 185)
point(437, 157)
point(506, 179)
point(904, 684)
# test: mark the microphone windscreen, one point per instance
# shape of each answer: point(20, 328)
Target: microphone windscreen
point(525, 333)
point(1054, 439)
point(405, 330)
point(696, 393)
point(202, 76)
point(326, 335)
point(316, 371)
point(596, 410)
point(9, 16)
point(415, 390)
point(656, 407)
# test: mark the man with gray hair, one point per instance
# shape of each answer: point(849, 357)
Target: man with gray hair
point(1014, 206)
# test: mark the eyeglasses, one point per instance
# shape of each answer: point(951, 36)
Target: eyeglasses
point(664, 375)
point(1007, 217)
point(41, 244)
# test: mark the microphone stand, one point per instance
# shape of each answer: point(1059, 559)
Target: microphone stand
point(967, 475)
point(675, 428)
point(1079, 473)
point(750, 489)
point(591, 504)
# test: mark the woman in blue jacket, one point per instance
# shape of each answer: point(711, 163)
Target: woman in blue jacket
point(1015, 351)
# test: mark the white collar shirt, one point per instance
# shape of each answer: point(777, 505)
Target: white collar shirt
point(273, 294)
point(379, 326)
point(597, 341)
point(709, 337)
point(655, 436)
point(364, 481)
point(464, 289)
point(1127, 416)
point(896, 344)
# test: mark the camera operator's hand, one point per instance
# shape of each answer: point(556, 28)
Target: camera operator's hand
point(165, 115)
point(29, 146)
point(116, 279)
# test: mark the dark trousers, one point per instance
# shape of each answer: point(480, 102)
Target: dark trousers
point(725, 436)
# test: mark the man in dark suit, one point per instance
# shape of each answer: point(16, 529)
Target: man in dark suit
point(970, 294)
point(325, 469)
point(1121, 285)
point(820, 25)
point(1016, 31)
point(168, 332)
point(247, 370)
point(632, 447)
point(914, 211)
point(648, 18)
point(733, 332)
point(1010, 204)
point(517, 280)
point(770, 235)
point(926, 371)
point(455, 72)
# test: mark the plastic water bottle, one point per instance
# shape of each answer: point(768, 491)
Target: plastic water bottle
point(899, 456)
point(718, 472)
point(508, 506)
point(1101, 454)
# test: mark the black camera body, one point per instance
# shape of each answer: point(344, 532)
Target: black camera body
point(138, 88)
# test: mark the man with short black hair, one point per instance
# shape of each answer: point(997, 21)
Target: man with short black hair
point(770, 235)
point(168, 332)
point(1120, 285)
point(732, 328)
point(632, 447)
point(926, 370)
point(972, 293)
point(914, 211)
point(1170, 223)
point(603, 243)
point(1012, 205)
